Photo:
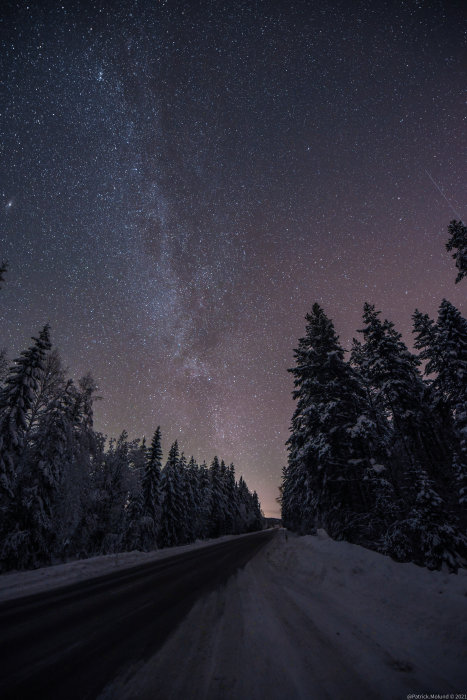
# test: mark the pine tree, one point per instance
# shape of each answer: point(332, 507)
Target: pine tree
point(110, 497)
point(458, 241)
point(425, 535)
point(243, 501)
point(38, 491)
point(298, 502)
point(3, 366)
point(134, 531)
point(418, 455)
point(331, 437)
point(399, 391)
point(205, 496)
point(425, 340)
point(186, 522)
point(444, 347)
point(87, 531)
point(172, 505)
point(450, 347)
point(51, 385)
point(218, 503)
point(230, 499)
point(78, 516)
point(3, 269)
point(16, 399)
point(258, 521)
point(151, 492)
point(195, 500)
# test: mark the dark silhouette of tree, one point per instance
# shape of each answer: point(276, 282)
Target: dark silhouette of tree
point(458, 242)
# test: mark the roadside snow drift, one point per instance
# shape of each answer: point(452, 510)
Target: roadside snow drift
point(16, 584)
point(313, 618)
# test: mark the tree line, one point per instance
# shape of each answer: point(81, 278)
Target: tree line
point(378, 443)
point(66, 491)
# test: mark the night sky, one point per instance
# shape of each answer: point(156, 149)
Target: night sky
point(180, 181)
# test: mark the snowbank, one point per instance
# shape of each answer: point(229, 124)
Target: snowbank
point(15, 584)
point(313, 618)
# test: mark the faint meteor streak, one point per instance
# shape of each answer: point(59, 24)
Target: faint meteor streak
point(444, 196)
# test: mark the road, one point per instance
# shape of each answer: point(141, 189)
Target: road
point(70, 642)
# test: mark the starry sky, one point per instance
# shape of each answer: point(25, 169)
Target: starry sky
point(180, 181)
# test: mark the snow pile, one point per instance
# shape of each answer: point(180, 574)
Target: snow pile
point(16, 584)
point(313, 618)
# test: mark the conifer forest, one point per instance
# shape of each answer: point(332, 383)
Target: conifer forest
point(233, 350)
point(66, 492)
point(378, 444)
point(377, 453)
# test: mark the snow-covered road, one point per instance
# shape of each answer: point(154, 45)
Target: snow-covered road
point(313, 618)
point(70, 642)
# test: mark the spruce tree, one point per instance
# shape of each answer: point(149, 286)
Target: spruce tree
point(392, 371)
point(243, 501)
point(195, 502)
point(186, 522)
point(231, 502)
point(218, 503)
point(172, 504)
point(3, 366)
point(77, 515)
point(205, 496)
point(450, 351)
point(3, 269)
point(110, 497)
point(458, 242)
point(16, 399)
point(151, 492)
point(419, 457)
point(331, 437)
point(444, 348)
point(35, 509)
point(17, 396)
point(425, 535)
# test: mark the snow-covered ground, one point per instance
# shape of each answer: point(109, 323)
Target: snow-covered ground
point(16, 584)
point(312, 618)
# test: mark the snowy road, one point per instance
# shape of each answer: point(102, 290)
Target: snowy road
point(69, 642)
point(313, 619)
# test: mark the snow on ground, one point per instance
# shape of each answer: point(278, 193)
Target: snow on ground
point(312, 618)
point(16, 584)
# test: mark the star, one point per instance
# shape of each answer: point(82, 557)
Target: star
point(186, 179)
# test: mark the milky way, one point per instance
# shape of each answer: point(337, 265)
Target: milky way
point(182, 180)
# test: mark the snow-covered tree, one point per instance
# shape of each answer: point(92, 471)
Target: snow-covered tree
point(17, 397)
point(187, 487)
point(257, 515)
point(218, 501)
point(173, 500)
point(151, 492)
point(331, 437)
point(231, 516)
point(458, 242)
point(3, 269)
point(33, 539)
point(77, 517)
point(425, 535)
point(109, 497)
point(444, 347)
point(205, 499)
point(194, 505)
point(393, 372)
point(64, 492)
point(3, 366)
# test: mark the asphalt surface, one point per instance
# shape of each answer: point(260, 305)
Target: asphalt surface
point(70, 642)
